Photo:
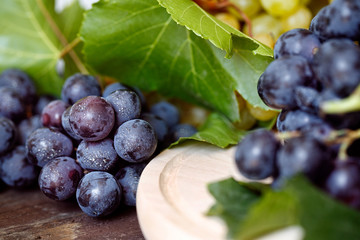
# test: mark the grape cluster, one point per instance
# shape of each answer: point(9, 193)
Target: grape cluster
point(90, 144)
point(312, 67)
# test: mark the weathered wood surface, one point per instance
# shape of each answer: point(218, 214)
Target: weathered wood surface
point(28, 214)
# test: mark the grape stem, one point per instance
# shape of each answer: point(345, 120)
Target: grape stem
point(345, 105)
point(62, 38)
point(346, 141)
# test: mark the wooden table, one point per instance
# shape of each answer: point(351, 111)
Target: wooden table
point(28, 214)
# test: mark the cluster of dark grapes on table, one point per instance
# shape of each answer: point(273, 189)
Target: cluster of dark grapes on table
point(312, 67)
point(91, 144)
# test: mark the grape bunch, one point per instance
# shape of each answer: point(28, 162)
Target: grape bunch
point(314, 81)
point(91, 144)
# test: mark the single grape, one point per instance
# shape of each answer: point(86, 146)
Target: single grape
point(97, 156)
point(304, 155)
point(126, 105)
point(301, 18)
point(255, 154)
point(279, 8)
point(129, 177)
point(52, 112)
point(41, 102)
point(307, 99)
point(160, 127)
point(98, 194)
point(229, 19)
point(265, 23)
point(45, 144)
point(15, 170)
point(20, 82)
point(112, 88)
point(92, 118)
point(79, 86)
point(135, 141)
point(277, 84)
point(65, 123)
point(27, 126)
point(181, 130)
point(249, 7)
point(297, 42)
point(12, 105)
point(59, 178)
point(261, 114)
point(340, 19)
point(8, 135)
point(336, 66)
point(343, 182)
point(167, 111)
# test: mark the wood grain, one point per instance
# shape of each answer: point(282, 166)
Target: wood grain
point(28, 214)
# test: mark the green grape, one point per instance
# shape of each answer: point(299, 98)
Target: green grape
point(265, 23)
point(228, 19)
point(280, 8)
point(249, 7)
point(301, 18)
point(261, 114)
point(265, 38)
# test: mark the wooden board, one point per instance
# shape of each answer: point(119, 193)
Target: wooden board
point(172, 197)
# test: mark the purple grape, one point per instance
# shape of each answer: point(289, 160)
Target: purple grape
point(8, 135)
point(79, 86)
point(20, 82)
point(160, 127)
point(255, 155)
point(97, 156)
point(52, 113)
point(27, 126)
point(135, 141)
point(12, 105)
point(277, 84)
point(59, 178)
point(15, 170)
point(181, 130)
point(307, 99)
point(167, 111)
point(129, 177)
point(297, 42)
point(98, 194)
point(42, 101)
point(126, 104)
point(45, 144)
point(92, 118)
point(343, 182)
point(112, 88)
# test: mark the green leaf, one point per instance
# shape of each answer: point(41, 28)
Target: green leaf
point(223, 36)
point(299, 203)
point(218, 131)
point(233, 202)
point(138, 43)
point(28, 42)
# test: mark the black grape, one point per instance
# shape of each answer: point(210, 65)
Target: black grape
point(20, 82)
point(16, 171)
point(135, 141)
point(112, 88)
point(27, 126)
point(307, 99)
point(97, 156)
point(336, 66)
point(338, 20)
point(45, 144)
point(41, 102)
point(126, 104)
point(79, 86)
point(160, 127)
point(277, 84)
point(255, 154)
point(11, 104)
point(65, 123)
point(129, 177)
point(8, 134)
point(59, 178)
point(297, 42)
point(343, 182)
point(52, 112)
point(98, 194)
point(182, 130)
point(167, 111)
point(92, 118)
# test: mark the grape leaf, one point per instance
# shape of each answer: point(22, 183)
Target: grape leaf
point(138, 43)
point(28, 42)
point(299, 203)
point(223, 36)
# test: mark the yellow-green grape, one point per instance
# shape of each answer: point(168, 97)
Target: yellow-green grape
point(301, 18)
point(265, 23)
point(249, 7)
point(304, 2)
point(265, 38)
point(280, 8)
point(247, 121)
point(228, 19)
point(261, 114)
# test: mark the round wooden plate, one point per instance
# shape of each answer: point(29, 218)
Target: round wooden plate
point(172, 196)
